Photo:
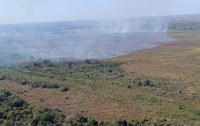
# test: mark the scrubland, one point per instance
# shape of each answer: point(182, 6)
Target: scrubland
point(158, 86)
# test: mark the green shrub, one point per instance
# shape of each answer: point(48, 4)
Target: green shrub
point(154, 100)
point(142, 82)
point(147, 82)
point(81, 119)
point(64, 89)
point(14, 111)
point(196, 112)
point(4, 96)
point(139, 83)
point(43, 117)
point(3, 77)
point(24, 82)
point(121, 122)
point(92, 122)
point(1, 115)
point(129, 86)
point(51, 86)
point(139, 97)
point(35, 85)
point(16, 102)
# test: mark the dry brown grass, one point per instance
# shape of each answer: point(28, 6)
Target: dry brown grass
point(76, 100)
point(174, 61)
point(178, 61)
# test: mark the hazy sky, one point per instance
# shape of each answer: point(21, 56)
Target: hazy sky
point(19, 11)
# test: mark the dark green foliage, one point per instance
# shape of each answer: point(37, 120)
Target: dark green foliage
point(139, 83)
point(129, 86)
point(147, 82)
point(44, 74)
point(154, 100)
point(40, 63)
point(13, 110)
point(196, 112)
point(51, 86)
point(64, 89)
point(184, 25)
point(80, 120)
point(1, 115)
point(35, 85)
point(139, 97)
point(92, 122)
point(2, 77)
point(95, 67)
point(15, 102)
point(4, 96)
point(24, 82)
point(44, 85)
point(142, 82)
point(87, 61)
point(46, 116)
point(121, 122)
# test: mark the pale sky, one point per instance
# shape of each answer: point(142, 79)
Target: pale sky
point(21, 11)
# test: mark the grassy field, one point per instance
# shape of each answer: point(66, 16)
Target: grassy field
point(158, 86)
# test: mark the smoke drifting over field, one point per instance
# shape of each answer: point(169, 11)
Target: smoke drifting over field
point(79, 39)
point(135, 25)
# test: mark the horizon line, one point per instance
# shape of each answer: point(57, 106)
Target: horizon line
point(97, 19)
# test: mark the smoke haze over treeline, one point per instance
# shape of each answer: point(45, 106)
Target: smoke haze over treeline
point(113, 32)
point(91, 39)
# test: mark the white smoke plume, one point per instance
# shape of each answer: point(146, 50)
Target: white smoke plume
point(92, 39)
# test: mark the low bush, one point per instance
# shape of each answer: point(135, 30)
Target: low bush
point(4, 96)
point(154, 100)
point(35, 85)
point(142, 82)
point(80, 120)
point(64, 89)
point(51, 86)
point(121, 122)
point(16, 102)
point(43, 117)
point(129, 86)
point(147, 82)
point(14, 111)
point(24, 82)
point(3, 77)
